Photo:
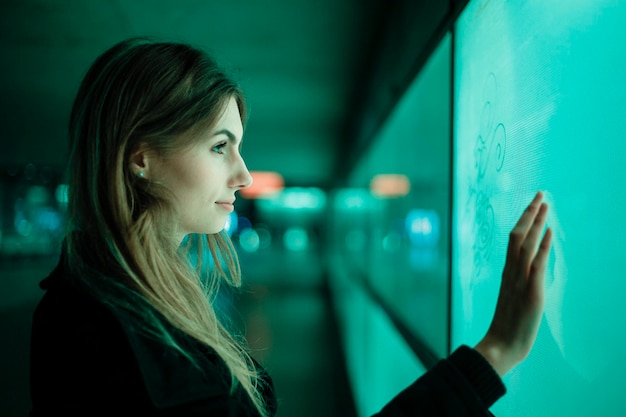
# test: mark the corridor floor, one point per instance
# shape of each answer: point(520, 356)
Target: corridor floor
point(287, 315)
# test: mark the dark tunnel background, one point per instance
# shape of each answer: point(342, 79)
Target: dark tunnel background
point(319, 77)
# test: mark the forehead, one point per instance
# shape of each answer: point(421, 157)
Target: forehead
point(228, 124)
point(230, 119)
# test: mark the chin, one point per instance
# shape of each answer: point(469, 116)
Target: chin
point(214, 230)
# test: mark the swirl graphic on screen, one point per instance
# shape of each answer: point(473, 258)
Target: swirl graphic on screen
point(484, 222)
point(489, 156)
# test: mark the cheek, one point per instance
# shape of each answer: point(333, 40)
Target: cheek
point(201, 189)
point(194, 181)
point(186, 178)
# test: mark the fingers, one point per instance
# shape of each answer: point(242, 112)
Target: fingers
point(538, 265)
point(528, 217)
point(529, 246)
point(524, 224)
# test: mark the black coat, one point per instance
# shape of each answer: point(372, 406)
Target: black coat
point(86, 360)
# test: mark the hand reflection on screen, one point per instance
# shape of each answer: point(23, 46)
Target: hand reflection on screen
point(564, 323)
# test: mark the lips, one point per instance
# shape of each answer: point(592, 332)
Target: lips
point(226, 205)
point(231, 202)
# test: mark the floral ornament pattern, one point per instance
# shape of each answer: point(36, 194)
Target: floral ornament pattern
point(489, 156)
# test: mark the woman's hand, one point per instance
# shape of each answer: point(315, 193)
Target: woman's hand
point(515, 323)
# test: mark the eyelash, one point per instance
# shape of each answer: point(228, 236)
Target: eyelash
point(218, 148)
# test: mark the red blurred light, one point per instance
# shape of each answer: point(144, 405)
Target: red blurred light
point(264, 184)
point(390, 185)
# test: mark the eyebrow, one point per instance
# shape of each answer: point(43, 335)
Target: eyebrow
point(229, 134)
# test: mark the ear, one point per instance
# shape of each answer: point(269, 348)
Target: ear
point(140, 161)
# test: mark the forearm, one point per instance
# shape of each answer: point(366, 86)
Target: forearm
point(463, 385)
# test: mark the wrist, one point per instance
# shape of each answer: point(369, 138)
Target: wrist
point(479, 373)
point(497, 355)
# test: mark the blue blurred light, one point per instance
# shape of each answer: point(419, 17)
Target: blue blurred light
point(231, 223)
point(243, 224)
point(423, 259)
point(295, 198)
point(48, 219)
point(422, 227)
point(296, 239)
point(61, 193)
point(352, 198)
point(392, 242)
point(265, 237)
point(249, 240)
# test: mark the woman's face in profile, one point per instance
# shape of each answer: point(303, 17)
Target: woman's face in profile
point(205, 177)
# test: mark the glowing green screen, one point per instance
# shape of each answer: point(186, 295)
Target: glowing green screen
point(540, 103)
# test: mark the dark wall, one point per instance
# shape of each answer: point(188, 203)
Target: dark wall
point(409, 32)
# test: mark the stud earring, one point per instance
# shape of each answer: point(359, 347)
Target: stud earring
point(141, 174)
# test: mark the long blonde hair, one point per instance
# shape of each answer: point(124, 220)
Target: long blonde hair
point(155, 94)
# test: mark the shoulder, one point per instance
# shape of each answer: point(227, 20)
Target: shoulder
point(78, 350)
point(72, 319)
point(82, 352)
point(65, 310)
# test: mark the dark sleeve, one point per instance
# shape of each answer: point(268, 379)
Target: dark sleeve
point(463, 385)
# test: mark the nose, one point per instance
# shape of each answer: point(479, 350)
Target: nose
point(241, 178)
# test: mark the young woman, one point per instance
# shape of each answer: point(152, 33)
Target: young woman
point(128, 326)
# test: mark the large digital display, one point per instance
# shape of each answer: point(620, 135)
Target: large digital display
point(540, 104)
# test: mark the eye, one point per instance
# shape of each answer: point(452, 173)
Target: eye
point(219, 148)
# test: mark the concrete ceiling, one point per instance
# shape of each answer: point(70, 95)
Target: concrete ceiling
point(300, 62)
